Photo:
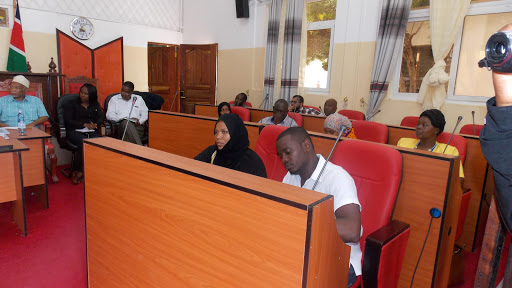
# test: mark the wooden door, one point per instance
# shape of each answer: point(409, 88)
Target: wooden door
point(163, 73)
point(198, 75)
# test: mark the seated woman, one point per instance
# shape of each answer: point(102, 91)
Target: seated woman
point(334, 122)
point(430, 125)
point(224, 108)
point(84, 113)
point(231, 149)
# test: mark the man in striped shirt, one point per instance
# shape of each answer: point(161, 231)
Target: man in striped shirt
point(32, 108)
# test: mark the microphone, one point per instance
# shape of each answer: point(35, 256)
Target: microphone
point(263, 110)
point(175, 94)
point(474, 128)
point(344, 131)
point(458, 122)
point(371, 116)
point(134, 99)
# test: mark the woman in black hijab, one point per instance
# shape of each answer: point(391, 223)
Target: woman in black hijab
point(224, 108)
point(231, 149)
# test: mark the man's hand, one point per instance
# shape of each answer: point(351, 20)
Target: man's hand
point(91, 126)
point(503, 88)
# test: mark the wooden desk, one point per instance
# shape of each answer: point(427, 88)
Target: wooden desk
point(185, 223)
point(198, 130)
point(33, 161)
point(478, 177)
point(11, 179)
point(428, 181)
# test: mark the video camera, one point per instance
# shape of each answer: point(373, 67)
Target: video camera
point(498, 53)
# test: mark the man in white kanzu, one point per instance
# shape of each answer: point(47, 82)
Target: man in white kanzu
point(295, 148)
point(119, 108)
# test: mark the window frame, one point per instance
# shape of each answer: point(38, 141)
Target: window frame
point(479, 8)
point(319, 25)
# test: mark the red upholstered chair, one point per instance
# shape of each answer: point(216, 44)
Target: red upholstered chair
point(468, 129)
point(244, 113)
point(352, 114)
point(457, 141)
point(72, 84)
point(36, 90)
point(297, 117)
point(247, 103)
point(377, 173)
point(266, 149)
point(410, 121)
point(370, 131)
point(312, 107)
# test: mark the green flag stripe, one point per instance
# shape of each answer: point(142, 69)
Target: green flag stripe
point(16, 62)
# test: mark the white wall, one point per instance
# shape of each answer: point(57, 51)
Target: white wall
point(207, 21)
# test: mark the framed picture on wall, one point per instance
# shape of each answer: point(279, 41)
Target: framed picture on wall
point(4, 17)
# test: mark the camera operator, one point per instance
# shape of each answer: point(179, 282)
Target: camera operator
point(496, 139)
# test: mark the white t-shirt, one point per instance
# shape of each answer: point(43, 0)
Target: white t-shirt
point(338, 183)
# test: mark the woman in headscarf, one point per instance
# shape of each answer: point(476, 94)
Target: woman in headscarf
point(231, 149)
point(223, 108)
point(334, 122)
point(430, 125)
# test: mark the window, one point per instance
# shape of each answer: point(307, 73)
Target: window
point(320, 33)
point(468, 84)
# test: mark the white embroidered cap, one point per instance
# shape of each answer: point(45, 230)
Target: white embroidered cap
point(22, 80)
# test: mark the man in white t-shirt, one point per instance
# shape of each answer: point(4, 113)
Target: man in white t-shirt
point(119, 108)
point(296, 150)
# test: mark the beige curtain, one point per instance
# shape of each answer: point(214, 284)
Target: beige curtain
point(446, 18)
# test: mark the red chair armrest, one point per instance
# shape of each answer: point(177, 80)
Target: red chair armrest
point(384, 254)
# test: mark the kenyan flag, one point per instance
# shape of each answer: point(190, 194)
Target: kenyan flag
point(17, 61)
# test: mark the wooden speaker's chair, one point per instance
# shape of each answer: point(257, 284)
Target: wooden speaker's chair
point(36, 90)
point(72, 84)
point(377, 173)
point(266, 149)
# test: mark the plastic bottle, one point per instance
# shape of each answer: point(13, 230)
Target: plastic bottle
point(22, 127)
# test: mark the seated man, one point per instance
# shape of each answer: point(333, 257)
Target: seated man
point(240, 100)
point(295, 148)
point(330, 107)
point(32, 108)
point(118, 109)
point(280, 116)
point(297, 106)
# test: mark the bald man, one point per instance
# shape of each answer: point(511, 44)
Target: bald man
point(32, 108)
point(280, 116)
point(330, 107)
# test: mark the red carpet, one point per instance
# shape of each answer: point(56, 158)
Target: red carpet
point(53, 252)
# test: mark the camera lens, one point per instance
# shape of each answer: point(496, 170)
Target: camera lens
point(500, 49)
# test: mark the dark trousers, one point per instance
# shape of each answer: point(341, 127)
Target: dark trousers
point(77, 139)
point(351, 276)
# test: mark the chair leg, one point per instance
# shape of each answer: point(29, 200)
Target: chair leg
point(53, 167)
point(67, 171)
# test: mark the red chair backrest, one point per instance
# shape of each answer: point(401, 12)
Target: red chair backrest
point(266, 149)
point(457, 141)
point(370, 131)
point(468, 129)
point(312, 107)
point(247, 103)
point(352, 114)
point(297, 117)
point(410, 121)
point(244, 113)
point(377, 173)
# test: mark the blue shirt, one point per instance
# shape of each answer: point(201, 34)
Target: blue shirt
point(31, 106)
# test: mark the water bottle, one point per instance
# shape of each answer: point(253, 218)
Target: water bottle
point(22, 127)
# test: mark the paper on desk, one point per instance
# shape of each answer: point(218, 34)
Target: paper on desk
point(4, 135)
point(11, 128)
point(4, 131)
point(84, 130)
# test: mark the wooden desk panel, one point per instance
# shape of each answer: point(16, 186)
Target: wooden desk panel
point(11, 188)
point(206, 110)
point(190, 224)
point(196, 130)
point(33, 161)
